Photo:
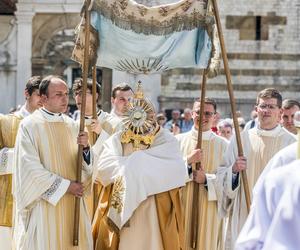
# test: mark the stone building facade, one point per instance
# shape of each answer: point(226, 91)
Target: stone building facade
point(36, 39)
point(262, 41)
point(8, 56)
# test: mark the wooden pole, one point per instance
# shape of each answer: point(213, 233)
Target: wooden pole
point(196, 186)
point(232, 100)
point(94, 93)
point(85, 71)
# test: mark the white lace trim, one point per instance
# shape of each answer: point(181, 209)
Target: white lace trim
point(3, 160)
point(55, 185)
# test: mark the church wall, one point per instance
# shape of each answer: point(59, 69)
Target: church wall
point(8, 62)
point(262, 40)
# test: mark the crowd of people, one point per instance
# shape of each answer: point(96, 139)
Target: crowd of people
point(140, 173)
point(183, 122)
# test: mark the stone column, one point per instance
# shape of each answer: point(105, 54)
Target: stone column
point(24, 51)
point(106, 89)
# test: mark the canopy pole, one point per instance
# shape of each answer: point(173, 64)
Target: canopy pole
point(95, 136)
point(94, 100)
point(197, 188)
point(85, 71)
point(232, 101)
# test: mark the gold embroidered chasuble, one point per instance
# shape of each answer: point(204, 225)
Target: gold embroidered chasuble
point(211, 225)
point(9, 125)
point(157, 223)
point(46, 155)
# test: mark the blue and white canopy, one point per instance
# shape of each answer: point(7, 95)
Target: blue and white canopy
point(140, 39)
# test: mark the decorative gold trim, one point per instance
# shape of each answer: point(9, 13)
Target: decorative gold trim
point(142, 66)
point(78, 51)
point(138, 139)
point(215, 57)
point(118, 194)
point(139, 94)
point(139, 122)
point(157, 20)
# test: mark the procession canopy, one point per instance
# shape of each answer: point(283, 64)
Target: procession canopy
point(140, 39)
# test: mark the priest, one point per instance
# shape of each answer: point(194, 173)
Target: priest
point(120, 96)
point(283, 157)
point(273, 222)
point(105, 121)
point(142, 171)
point(9, 125)
point(260, 144)
point(98, 129)
point(45, 173)
point(210, 225)
point(279, 179)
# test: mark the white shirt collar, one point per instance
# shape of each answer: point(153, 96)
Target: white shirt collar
point(206, 135)
point(91, 117)
point(114, 114)
point(271, 133)
point(50, 116)
point(88, 118)
point(23, 112)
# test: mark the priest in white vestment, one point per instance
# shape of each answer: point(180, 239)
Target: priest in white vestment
point(274, 219)
point(98, 129)
point(283, 157)
point(211, 228)
point(105, 124)
point(45, 174)
point(260, 144)
point(289, 109)
point(9, 125)
point(120, 96)
point(141, 170)
point(280, 159)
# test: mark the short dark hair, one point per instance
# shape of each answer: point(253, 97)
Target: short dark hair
point(210, 101)
point(121, 87)
point(33, 84)
point(45, 83)
point(78, 83)
point(289, 103)
point(270, 93)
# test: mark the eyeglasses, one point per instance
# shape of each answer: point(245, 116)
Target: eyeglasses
point(267, 106)
point(207, 114)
